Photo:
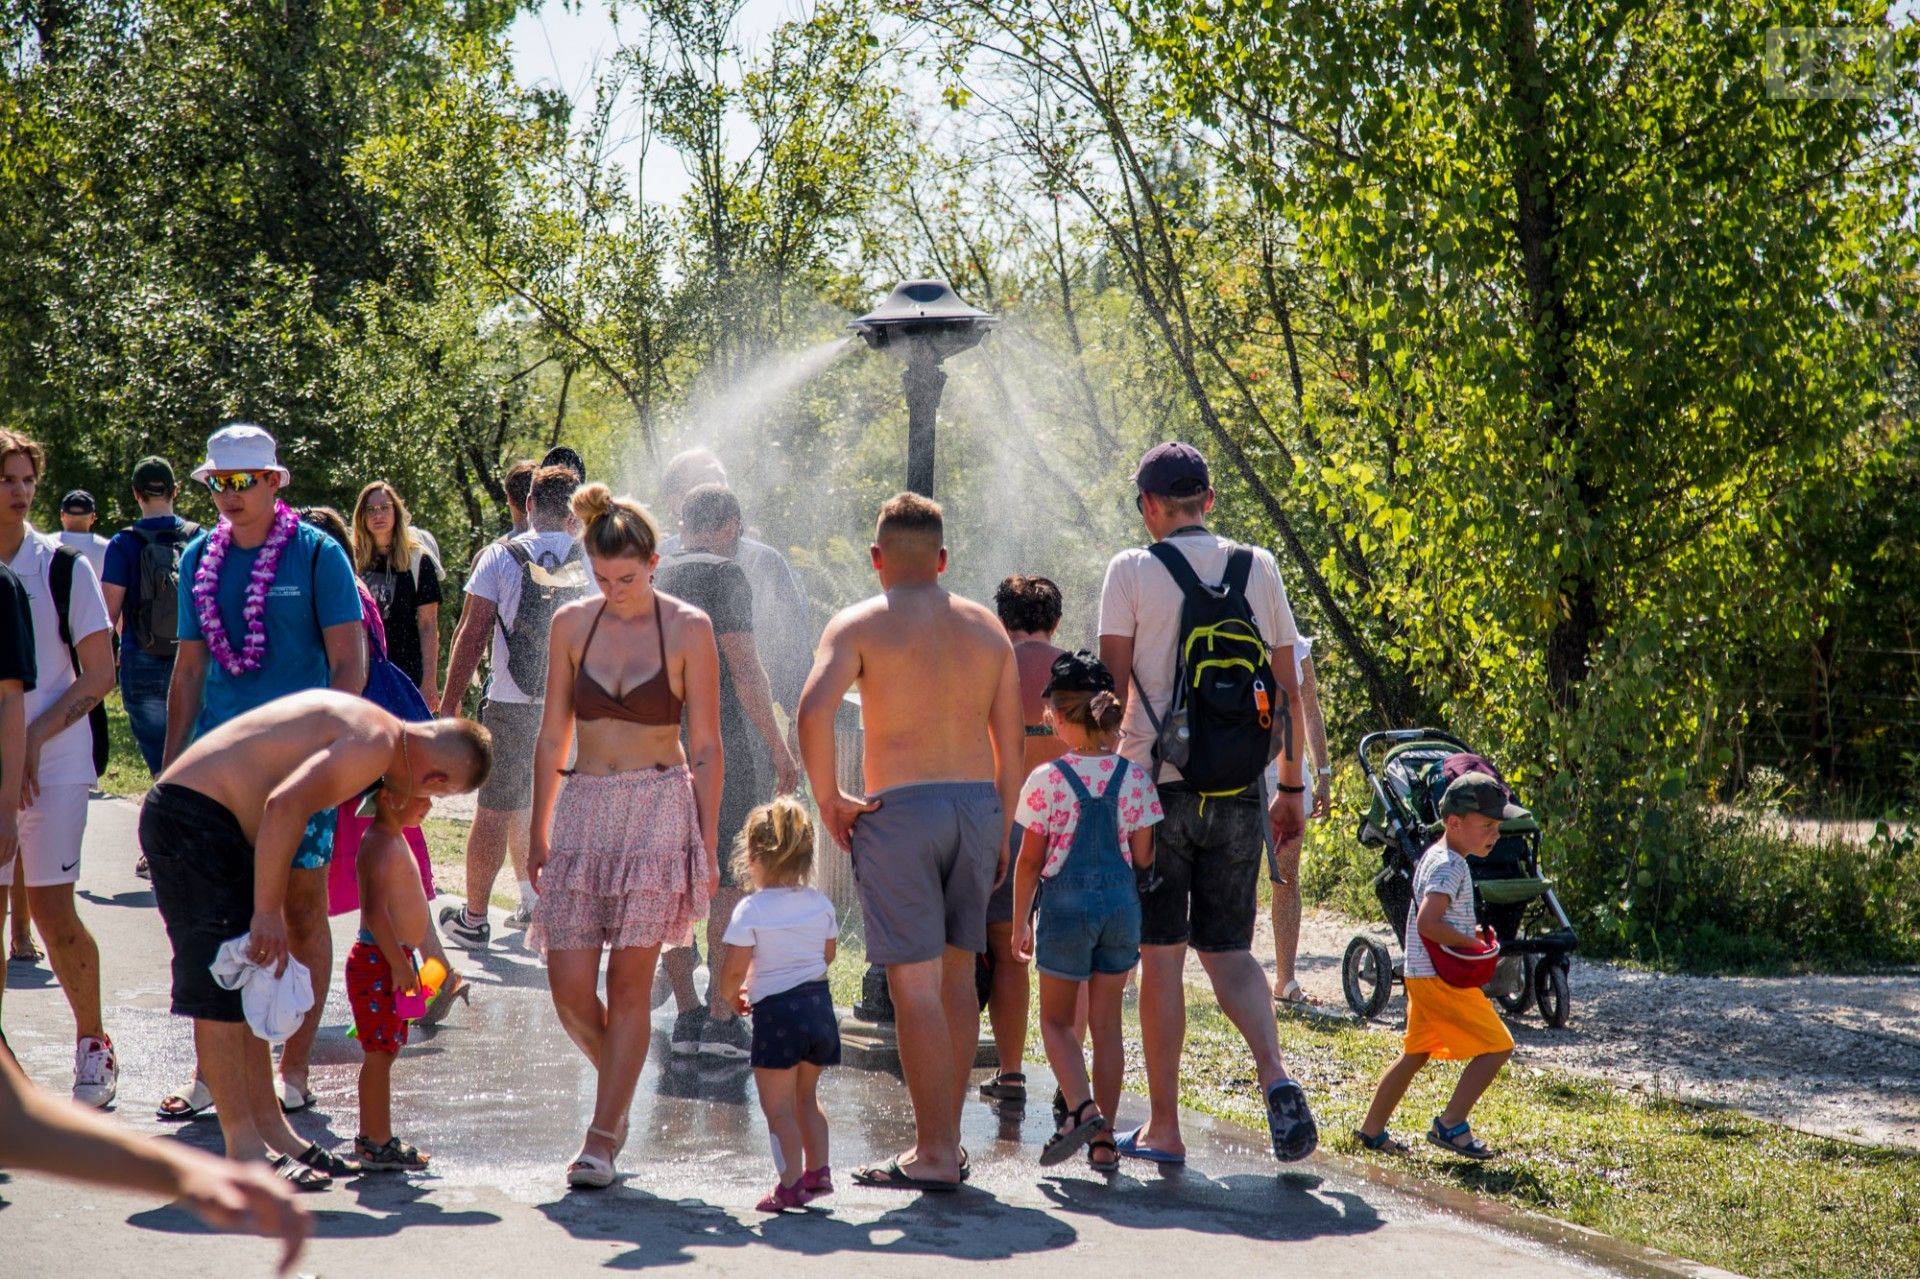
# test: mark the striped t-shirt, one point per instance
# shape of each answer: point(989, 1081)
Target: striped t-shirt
point(1441, 870)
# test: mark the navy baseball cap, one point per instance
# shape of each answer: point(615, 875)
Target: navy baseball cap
point(1173, 469)
point(78, 502)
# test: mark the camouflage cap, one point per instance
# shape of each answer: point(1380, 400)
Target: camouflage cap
point(1479, 793)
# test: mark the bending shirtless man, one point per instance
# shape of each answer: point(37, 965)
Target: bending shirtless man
point(220, 829)
point(940, 705)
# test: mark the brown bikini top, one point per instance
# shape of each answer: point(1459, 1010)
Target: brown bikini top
point(650, 702)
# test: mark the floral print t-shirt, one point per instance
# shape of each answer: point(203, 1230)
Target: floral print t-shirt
point(1049, 805)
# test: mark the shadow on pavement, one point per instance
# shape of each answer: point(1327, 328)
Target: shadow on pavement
point(967, 1226)
point(1278, 1209)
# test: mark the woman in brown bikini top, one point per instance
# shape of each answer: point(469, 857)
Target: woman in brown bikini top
point(651, 702)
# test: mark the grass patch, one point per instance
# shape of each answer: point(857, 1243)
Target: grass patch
point(1699, 1182)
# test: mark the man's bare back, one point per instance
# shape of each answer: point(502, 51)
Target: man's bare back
point(930, 665)
point(240, 763)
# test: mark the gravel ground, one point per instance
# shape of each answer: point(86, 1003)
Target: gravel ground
point(1839, 1056)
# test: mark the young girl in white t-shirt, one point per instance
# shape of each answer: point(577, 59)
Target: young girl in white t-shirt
point(1088, 818)
point(779, 943)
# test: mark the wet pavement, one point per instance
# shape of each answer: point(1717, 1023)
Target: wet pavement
point(499, 1097)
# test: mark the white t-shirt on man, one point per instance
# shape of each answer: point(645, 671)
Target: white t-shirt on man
point(789, 929)
point(1141, 601)
point(67, 758)
point(496, 577)
point(91, 545)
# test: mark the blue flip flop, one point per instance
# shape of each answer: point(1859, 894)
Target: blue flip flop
point(1129, 1146)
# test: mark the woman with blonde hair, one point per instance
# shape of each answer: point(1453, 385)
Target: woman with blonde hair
point(402, 575)
point(623, 851)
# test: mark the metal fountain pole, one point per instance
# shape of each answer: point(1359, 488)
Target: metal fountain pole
point(923, 322)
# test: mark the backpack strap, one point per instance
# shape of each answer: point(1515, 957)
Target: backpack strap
point(1239, 569)
point(520, 555)
point(1176, 563)
point(60, 583)
point(1074, 784)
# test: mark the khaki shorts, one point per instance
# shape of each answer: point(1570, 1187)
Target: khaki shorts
point(516, 728)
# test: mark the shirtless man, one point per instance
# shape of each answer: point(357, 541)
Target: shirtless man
point(219, 830)
point(940, 704)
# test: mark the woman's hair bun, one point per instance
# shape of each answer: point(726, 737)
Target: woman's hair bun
point(591, 501)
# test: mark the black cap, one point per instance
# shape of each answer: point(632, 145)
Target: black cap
point(153, 477)
point(78, 502)
point(1079, 672)
point(1173, 470)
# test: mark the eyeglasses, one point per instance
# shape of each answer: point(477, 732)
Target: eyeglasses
point(235, 481)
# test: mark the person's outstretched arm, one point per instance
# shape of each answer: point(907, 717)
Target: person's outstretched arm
point(1007, 727)
point(470, 638)
point(556, 729)
point(51, 1135)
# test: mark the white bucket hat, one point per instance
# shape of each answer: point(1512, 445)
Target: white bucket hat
point(241, 447)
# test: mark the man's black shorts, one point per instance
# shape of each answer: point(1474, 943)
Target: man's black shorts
point(202, 864)
point(1206, 871)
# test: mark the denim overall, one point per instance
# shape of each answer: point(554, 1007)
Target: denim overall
point(1090, 909)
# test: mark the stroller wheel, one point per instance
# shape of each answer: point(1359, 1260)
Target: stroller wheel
point(1366, 977)
point(1552, 991)
point(1516, 1003)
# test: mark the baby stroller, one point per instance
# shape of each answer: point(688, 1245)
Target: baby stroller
point(1405, 770)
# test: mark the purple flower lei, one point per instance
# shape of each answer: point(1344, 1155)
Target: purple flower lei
point(206, 590)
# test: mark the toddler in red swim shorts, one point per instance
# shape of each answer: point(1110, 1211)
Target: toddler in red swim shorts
point(380, 970)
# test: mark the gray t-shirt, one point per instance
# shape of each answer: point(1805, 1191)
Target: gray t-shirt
point(1441, 870)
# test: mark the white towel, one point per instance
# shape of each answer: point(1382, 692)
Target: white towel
point(275, 1006)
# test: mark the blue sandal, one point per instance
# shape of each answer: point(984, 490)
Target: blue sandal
point(1383, 1142)
point(1129, 1145)
point(1448, 1139)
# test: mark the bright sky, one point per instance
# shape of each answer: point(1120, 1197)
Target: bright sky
point(563, 45)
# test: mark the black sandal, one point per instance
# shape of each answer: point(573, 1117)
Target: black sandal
point(328, 1162)
point(392, 1155)
point(1007, 1086)
point(1103, 1142)
point(302, 1177)
point(1062, 1144)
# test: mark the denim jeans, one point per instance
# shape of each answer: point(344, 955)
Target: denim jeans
point(143, 688)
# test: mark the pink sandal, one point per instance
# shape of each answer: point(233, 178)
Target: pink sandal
point(781, 1198)
point(816, 1184)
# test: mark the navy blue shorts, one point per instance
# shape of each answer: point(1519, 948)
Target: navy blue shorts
point(794, 1026)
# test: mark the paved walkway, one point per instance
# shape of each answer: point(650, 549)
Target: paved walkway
point(500, 1098)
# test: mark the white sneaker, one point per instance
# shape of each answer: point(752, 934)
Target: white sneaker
point(96, 1073)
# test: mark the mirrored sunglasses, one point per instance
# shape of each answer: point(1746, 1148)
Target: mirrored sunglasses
point(235, 481)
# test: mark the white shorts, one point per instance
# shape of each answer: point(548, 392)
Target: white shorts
point(50, 835)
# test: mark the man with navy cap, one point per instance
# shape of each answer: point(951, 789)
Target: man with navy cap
point(1203, 890)
point(77, 514)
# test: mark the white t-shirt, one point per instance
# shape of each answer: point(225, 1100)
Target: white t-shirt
point(789, 929)
point(1048, 804)
point(91, 545)
point(1141, 601)
point(1440, 870)
point(68, 757)
point(496, 577)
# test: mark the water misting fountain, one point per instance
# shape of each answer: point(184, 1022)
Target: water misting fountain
point(923, 322)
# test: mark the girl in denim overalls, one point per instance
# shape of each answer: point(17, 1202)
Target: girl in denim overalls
point(1088, 819)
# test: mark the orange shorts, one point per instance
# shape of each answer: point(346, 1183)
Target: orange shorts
point(1448, 1023)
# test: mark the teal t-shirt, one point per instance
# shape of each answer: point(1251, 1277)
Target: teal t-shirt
point(312, 589)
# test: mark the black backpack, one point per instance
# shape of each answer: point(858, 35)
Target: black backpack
point(544, 587)
point(156, 619)
point(1219, 726)
point(60, 583)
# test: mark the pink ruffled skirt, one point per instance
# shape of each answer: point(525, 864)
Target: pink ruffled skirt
point(627, 866)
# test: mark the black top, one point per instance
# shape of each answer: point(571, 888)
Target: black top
point(400, 603)
point(718, 587)
point(16, 631)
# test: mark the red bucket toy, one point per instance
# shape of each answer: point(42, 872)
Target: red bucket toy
point(1468, 967)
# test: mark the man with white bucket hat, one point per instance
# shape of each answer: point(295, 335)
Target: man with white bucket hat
point(267, 607)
